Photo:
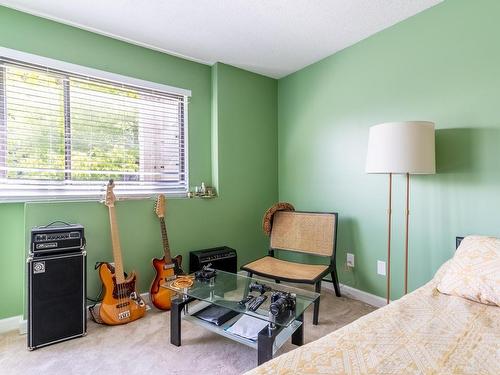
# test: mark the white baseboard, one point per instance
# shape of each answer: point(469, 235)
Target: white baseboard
point(17, 322)
point(10, 324)
point(349, 291)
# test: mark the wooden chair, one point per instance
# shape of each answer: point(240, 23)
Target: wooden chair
point(311, 233)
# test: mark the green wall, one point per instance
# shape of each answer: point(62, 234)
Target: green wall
point(442, 65)
point(241, 120)
point(11, 259)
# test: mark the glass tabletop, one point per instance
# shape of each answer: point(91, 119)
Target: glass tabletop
point(283, 305)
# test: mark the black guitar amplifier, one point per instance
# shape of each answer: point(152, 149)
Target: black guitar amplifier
point(56, 298)
point(51, 239)
point(222, 258)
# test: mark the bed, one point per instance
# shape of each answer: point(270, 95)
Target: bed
point(425, 332)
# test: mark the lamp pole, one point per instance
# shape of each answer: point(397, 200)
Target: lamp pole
point(407, 214)
point(389, 213)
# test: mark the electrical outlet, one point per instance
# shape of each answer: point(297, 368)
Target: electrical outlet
point(350, 260)
point(381, 267)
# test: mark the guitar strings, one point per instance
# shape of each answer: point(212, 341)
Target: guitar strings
point(120, 288)
point(117, 284)
point(123, 298)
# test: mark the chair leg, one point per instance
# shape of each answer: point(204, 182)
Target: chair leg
point(335, 281)
point(316, 304)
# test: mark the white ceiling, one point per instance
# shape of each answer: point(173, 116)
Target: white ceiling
point(270, 37)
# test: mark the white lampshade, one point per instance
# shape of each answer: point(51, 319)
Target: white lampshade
point(402, 147)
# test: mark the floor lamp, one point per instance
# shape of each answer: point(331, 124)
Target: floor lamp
point(401, 148)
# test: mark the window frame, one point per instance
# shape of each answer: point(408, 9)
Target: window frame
point(72, 193)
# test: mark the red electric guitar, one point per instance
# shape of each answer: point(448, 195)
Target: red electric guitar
point(167, 267)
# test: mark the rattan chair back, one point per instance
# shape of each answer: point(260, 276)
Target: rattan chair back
point(304, 232)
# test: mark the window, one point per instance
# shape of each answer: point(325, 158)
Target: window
point(64, 135)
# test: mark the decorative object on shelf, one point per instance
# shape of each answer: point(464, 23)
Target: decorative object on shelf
point(401, 148)
point(203, 191)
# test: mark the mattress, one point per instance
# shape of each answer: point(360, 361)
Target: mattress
point(425, 332)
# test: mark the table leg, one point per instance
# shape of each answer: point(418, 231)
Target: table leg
point(175, 318)
point(175, 321)
point(265, 342)
point(298, 335)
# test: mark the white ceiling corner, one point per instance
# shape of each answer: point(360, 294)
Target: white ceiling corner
point(273, 38)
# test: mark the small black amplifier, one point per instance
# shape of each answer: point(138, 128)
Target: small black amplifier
point(222, 258)
point(55, 239)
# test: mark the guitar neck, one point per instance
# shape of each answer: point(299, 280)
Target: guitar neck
point(117, 251)
point(164, 237)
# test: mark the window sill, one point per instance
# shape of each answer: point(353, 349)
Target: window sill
point(85, 198)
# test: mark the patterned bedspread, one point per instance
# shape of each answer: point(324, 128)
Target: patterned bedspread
point(425, 332)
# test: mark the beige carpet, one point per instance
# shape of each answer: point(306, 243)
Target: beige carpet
point(143, 347)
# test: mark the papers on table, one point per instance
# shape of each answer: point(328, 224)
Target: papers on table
point(247, 327)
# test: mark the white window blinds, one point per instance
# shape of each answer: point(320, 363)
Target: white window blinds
point(64, 135)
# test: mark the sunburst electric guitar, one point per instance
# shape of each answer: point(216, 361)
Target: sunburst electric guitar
point(167, 267)
point(121, 303)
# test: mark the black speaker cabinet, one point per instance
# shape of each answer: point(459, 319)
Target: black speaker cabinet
point(56, 298)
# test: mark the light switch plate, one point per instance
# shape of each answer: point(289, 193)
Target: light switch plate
point(350, 260)
point(381, 267)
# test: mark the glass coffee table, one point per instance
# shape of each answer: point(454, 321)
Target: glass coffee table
point(226, 290)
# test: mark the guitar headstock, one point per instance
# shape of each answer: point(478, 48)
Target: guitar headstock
point(160, 205)
point(110, 196)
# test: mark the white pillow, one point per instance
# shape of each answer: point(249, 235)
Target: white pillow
point(474, 271)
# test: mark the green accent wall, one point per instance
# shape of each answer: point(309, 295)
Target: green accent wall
point(441, 65)
point(12, 259)
point(239, 108)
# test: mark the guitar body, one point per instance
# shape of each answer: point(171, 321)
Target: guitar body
point(161, 297)
point(121, 303)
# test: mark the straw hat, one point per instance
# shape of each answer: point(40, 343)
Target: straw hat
point(267, 220)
